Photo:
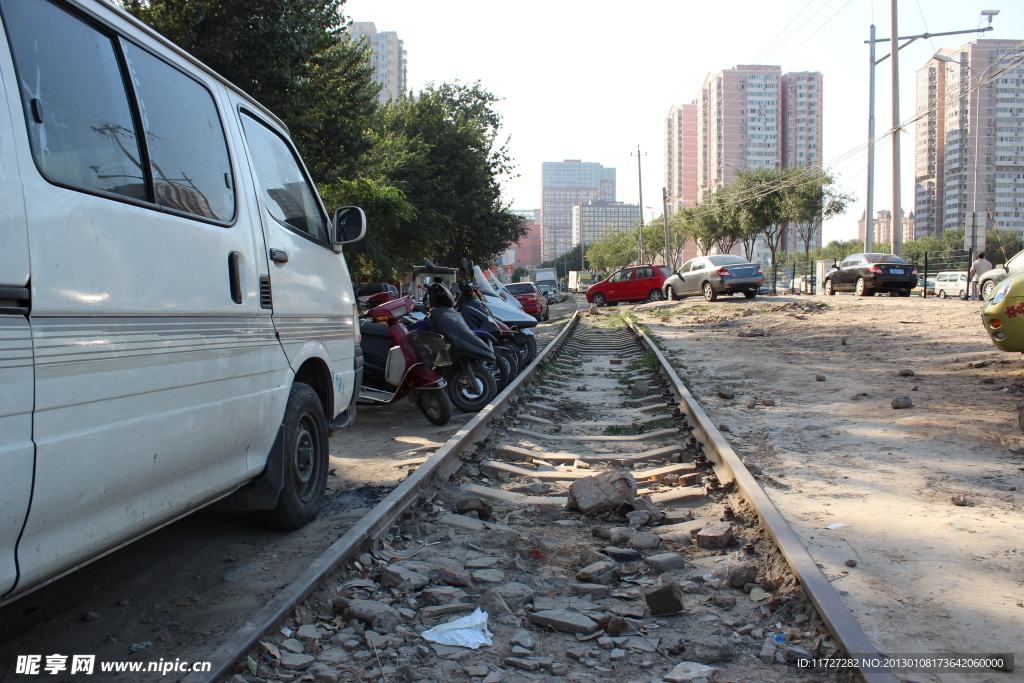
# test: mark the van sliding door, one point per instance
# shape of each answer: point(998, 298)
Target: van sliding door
point(17, 452)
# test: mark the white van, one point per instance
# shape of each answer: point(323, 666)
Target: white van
point(951, 283)
point(176, 318)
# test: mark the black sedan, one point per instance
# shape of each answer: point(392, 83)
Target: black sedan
point(709, 276)
point(865, 274)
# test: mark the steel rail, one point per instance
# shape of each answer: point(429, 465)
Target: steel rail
point(728, 467)
point(376, 522)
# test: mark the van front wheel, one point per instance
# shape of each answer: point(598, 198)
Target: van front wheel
point(304, 456)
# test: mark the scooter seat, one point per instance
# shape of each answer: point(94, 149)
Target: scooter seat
point(375, 330)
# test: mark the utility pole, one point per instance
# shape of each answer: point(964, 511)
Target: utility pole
point(897, 200)
point(897, 213)
point(664, 215)
point(869, 211)
point(640, 180)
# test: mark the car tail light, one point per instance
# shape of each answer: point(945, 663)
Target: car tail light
point(995, 324)
point(724, 271)
point(877, 270)
point(531, 299)
point(759, 270)
point(913, 271)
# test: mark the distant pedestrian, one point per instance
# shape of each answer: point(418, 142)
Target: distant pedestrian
point(980, 266)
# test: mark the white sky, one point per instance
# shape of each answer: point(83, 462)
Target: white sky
point(592, 80)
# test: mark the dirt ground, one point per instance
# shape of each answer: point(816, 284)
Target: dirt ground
point(180, 591)
point(930, 576)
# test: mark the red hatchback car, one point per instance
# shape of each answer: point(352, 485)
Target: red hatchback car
point(530, 297)
point(635, 283)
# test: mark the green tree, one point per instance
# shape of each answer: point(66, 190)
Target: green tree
point(811, 202)
point(764, 211)
point(837, 250)
point(520, 274)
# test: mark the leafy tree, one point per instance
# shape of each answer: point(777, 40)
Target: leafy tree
point(764, 211)
point(811, 202)
point(520, 274)
point(837, 250)
point(616, 250)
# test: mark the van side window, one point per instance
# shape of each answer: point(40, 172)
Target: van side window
point(188, 154)
point(75, 100)
point(285, 190)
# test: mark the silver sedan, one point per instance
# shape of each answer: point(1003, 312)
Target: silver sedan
point(710, 276)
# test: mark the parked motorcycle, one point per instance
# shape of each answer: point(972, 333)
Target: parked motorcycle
point(509, 313)
point(398, 362)
point(470, 385)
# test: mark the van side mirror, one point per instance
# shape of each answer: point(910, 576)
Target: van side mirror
point(348, 225)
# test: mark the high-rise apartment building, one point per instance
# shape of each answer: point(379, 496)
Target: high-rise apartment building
point(681, 156)
point(969, 151)
point(389, 59)
point(750, 116)
point(881, 227)
point(566, 184)
point(596, 219)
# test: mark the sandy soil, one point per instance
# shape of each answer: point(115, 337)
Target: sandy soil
point(182, 589)
point(930, 576)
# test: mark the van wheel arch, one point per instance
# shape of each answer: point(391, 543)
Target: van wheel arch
point(316, 374)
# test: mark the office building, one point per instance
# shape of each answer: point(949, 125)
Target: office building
point(527, 249)
point(566, 184)
point(969, 152)
point(681, 156)
point(596, 219)
point(389, 59)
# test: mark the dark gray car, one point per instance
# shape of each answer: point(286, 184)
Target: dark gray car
point(709, 276)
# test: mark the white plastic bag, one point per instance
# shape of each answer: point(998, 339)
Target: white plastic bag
point(470, 631)
point(718, 576)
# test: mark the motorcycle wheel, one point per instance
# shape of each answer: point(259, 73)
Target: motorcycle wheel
point(471, 396)
point(499, 369)
point(435, 406)
point(512, 358)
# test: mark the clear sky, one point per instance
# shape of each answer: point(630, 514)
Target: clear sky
point(592, 80)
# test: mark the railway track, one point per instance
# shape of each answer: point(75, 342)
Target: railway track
point(673, 556)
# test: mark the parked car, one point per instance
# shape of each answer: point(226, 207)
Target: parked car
point(919, 287)
point(951, 283)
point(990, 279)
point(710, 276)
point(634, 283)
point(532, 299)
point(176, 314)
point(550, 293)
point(1003, 314)
point(865, 274)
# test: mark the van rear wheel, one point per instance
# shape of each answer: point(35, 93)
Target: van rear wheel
point(305, 454)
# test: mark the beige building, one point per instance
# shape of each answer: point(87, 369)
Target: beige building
point(389, 59)
point(969, 153)
point(882, 228)
point(596, 219)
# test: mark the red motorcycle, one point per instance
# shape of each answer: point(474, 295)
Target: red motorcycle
point(397, 362)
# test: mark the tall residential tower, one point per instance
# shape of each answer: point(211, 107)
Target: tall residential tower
point(389, 59)
point(968, 146)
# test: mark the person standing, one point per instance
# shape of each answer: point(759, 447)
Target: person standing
point(980, 266)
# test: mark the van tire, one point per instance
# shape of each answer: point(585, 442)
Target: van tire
point(305, 453)
point(942, 294)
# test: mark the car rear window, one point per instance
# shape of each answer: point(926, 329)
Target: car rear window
point(726, 259)
point(884, 258)
point(521, 288)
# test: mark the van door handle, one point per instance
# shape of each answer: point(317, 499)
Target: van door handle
point(235, 276)
point(279, 256)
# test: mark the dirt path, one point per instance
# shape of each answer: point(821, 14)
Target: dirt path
point(930, 576)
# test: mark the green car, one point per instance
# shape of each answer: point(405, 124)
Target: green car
point(990, 279)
